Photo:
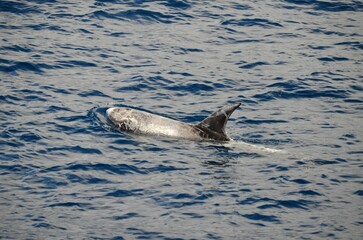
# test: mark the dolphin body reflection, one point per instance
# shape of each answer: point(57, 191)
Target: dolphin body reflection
point(140, 122)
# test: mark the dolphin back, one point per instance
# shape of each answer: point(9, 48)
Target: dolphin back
point(214, 126)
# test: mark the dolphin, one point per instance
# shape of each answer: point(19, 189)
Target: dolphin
point(140, 122)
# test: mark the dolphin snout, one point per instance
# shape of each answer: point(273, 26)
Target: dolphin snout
point(109, 111)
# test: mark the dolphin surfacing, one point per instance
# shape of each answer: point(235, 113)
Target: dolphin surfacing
point(140, 122)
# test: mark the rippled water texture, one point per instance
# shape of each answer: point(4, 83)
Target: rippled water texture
point(296, 67)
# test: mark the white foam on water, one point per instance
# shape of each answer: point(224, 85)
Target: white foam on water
point(252, 147)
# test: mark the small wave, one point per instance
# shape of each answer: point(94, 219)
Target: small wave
point(118, 34)
point(80, 205)
point(139, 83)
point(15, 168)
point(119, 169)
point(138, 15)
point(260, 121)
point(125, 193)
point(140, 87)
point(327, 162)
point(179, 200)
point(277, 203)
point(289, 85)
point(191, 87)
point(47, 226)
point(261, 217)
point(21, 66)
point(20, 137)
point(73, 149)
point(92, 93)
point(53, 109)
point(190, 50)
point(253, 65)
point(333, 59)
point(332, 6)
point(184, 74)
point(327, 32)
point(354, 45)
point(357, 88)
point(14, 67)
point(86, 179)
point(10, 99)
point(309, 193)
point(17, 48)
point(75, 63)
point(17, 7)
point(252, 22)
point(240, 6)
point(98, 120)
point(126, 216)
point(281, 94)
point(179, 4)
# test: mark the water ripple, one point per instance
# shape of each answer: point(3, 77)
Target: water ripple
point(17, 8)
point(138, 15)
point(335, 6)
point(252, 22)
point(272, 95)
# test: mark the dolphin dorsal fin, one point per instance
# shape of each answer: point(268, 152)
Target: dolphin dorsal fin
point(218, 120)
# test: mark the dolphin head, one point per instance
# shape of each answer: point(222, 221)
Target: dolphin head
point(122, 118)
point(114, 114)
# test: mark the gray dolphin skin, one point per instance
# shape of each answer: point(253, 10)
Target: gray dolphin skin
point(140, 122)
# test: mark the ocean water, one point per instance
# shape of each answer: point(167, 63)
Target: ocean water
point(294, 170)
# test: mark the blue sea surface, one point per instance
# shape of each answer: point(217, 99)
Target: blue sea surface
point(296, 67)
